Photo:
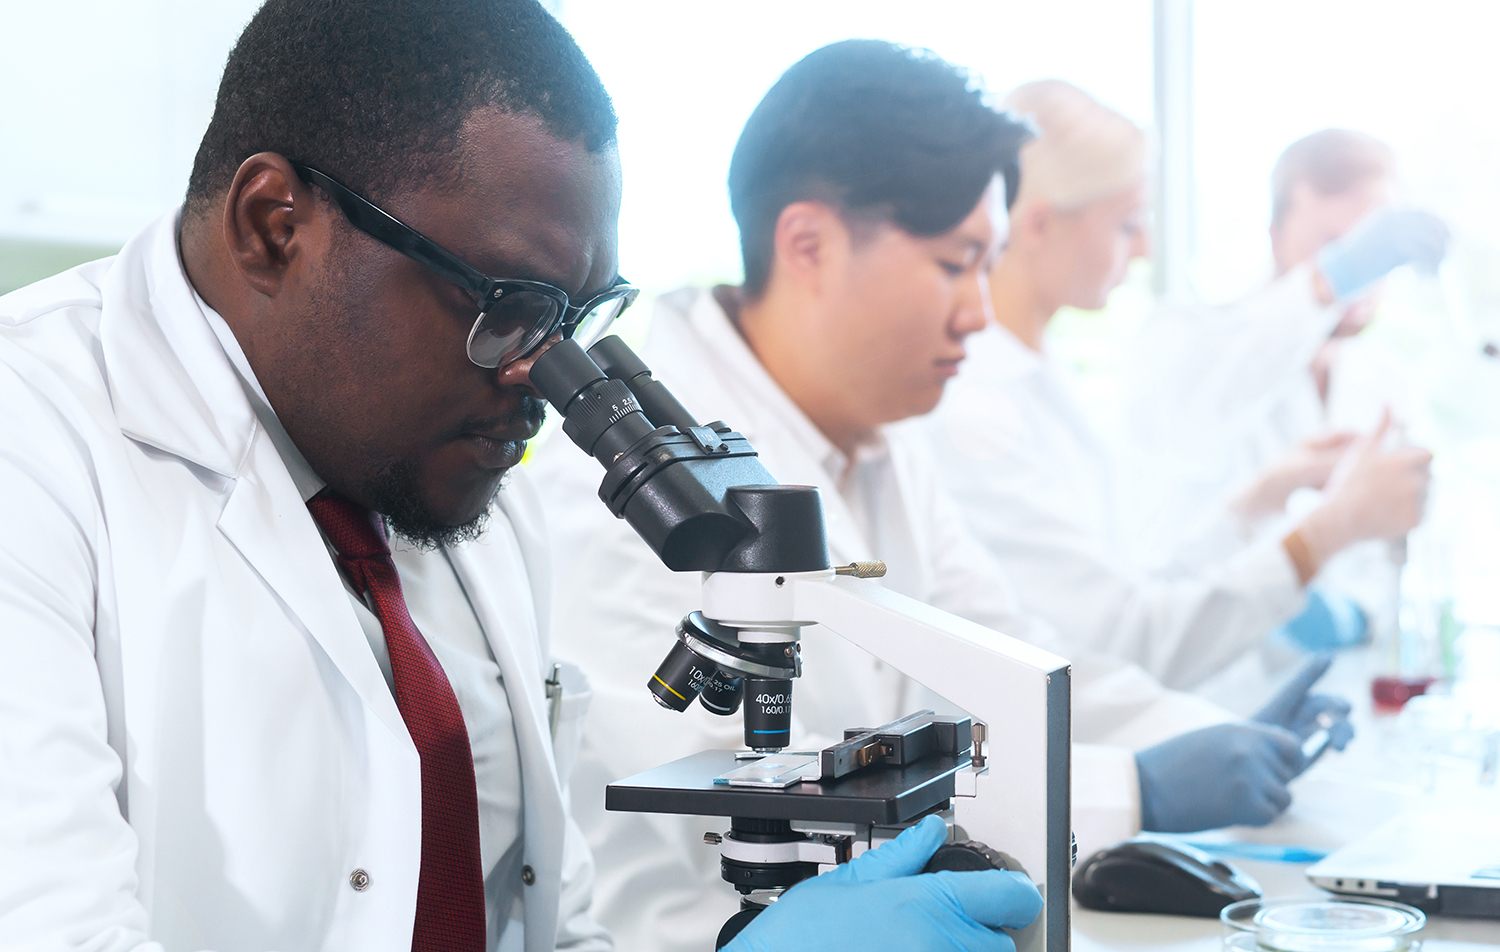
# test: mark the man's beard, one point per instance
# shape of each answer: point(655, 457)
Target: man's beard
point(396, 496)
point(396, 493)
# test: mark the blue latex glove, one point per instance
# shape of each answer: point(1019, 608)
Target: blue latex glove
point(1223, 775)
point(1329, 622)
point(1294, 709)
point(1379, 243)
point(877, 902)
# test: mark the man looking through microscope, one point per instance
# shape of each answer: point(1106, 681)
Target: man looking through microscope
point(234, 718)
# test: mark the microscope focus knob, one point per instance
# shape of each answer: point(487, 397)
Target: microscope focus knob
point(967, 857)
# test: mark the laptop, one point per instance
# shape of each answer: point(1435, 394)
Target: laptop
point(1444, 862)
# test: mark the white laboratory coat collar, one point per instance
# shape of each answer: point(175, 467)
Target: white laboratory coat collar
point(171, 383)
point(691, 319)
point(309, 483)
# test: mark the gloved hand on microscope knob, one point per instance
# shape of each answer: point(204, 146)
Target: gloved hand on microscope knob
point(882, 901)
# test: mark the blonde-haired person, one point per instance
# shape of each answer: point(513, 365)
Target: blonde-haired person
point(1035, 481)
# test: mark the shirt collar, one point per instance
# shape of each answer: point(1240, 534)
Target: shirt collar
point(741, 363)
point(306, 481)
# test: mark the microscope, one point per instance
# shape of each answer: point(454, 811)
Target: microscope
point(699, 497)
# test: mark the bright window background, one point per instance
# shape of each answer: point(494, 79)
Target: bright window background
point(102, 104)
point(685, 76)
point(102, 107)
point(1419, 76)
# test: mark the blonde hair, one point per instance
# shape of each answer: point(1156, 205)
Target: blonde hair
point(1331, 162)
point(1086, 151)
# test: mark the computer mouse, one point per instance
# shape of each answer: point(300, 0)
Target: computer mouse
point(1153, 876)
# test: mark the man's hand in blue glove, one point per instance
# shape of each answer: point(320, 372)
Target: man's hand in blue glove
point(1379, 243)
point(879, 902)
point(1294, 709)
point(1238, 773)
point(1223, 775)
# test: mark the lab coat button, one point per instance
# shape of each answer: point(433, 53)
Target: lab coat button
point(528, 875)
point(359, 880)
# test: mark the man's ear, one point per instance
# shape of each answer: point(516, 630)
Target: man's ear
point(270, 217)
point(809, 235)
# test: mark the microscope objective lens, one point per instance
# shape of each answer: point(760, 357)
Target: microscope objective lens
point(768, 713)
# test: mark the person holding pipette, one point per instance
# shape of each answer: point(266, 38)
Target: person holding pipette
point(1214, 395)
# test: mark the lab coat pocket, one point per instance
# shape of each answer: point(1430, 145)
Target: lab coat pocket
point(568, 715)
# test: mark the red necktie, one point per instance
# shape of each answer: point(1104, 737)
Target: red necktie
point(450, 887)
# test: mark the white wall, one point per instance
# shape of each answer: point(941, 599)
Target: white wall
point(1423, 76)
point(103, 104)
point(685, 75)
point(104, 100)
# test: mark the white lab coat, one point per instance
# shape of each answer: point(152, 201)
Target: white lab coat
point(659, 885)
point(1036, 486)
point(198, 746)
point(1213, 395)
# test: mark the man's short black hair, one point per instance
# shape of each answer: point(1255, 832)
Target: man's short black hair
point(374, 92)
point(876, 130)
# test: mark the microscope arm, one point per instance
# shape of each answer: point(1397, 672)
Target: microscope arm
point(1020, 797)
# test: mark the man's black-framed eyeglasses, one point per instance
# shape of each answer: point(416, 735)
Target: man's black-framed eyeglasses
point(515, 316)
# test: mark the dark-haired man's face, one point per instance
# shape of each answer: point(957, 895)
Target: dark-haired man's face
point(371, 377)
point(898, 307)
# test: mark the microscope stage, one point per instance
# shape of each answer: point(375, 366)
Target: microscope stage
point(877, 794)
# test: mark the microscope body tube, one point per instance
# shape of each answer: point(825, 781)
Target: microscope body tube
point(698, 496)
point(701, 499)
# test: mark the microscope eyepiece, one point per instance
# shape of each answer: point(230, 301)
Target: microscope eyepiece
point(621, 363)
point(599, 414)
point(562, 372)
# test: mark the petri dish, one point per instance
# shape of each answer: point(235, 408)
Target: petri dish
point(1321, 925)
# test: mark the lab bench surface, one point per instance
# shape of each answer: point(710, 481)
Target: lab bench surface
point(1340, 799)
